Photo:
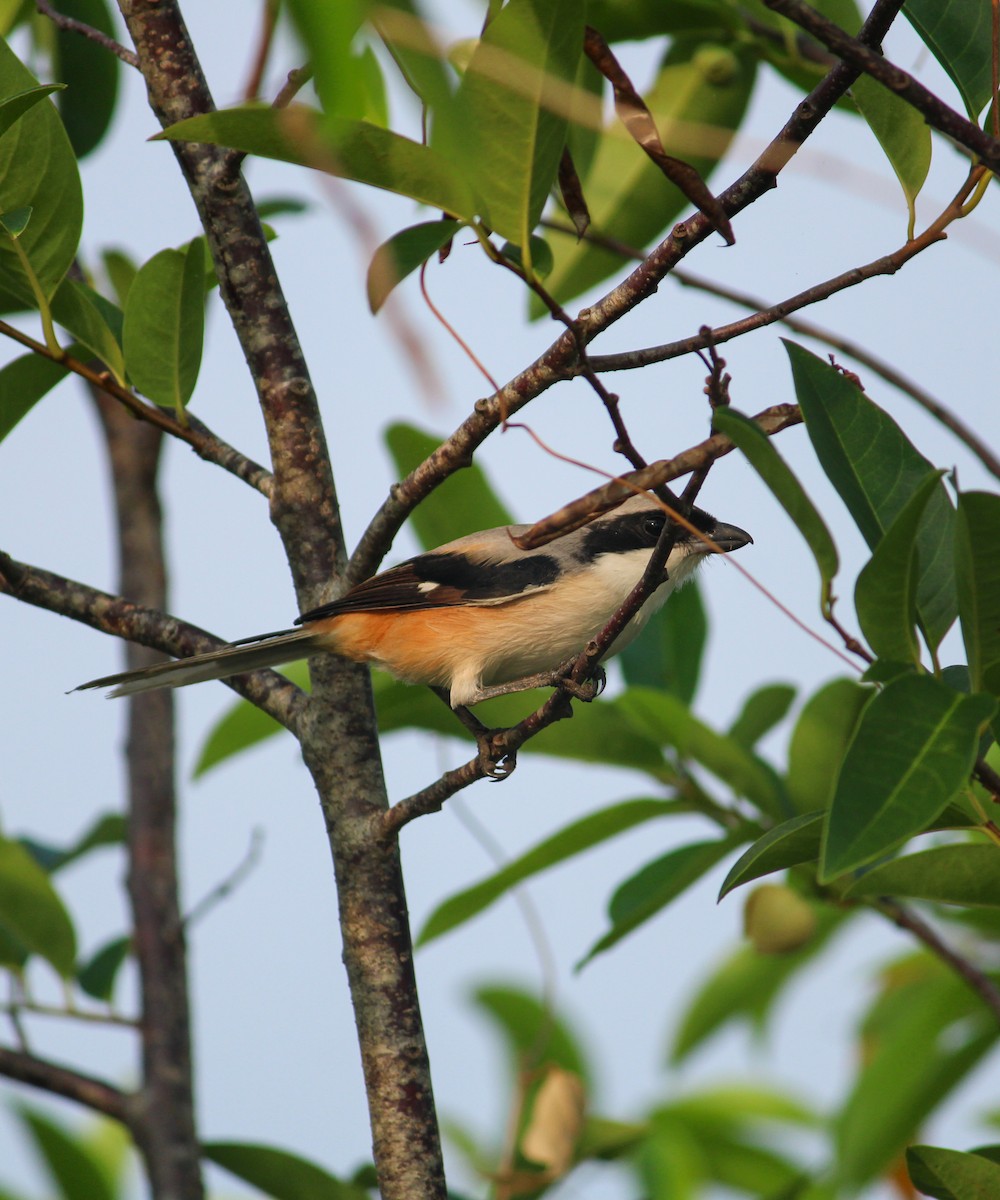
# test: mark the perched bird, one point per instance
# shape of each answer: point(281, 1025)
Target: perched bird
point(477, 616)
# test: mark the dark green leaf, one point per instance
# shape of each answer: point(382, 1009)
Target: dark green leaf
point(959, 33)
point(977, 539)
point(349, 149)
point(885, 594)
point(745, 986)
point(669, 653)
point(762, 711)
point(541, 256)
point(15, 221)
point(819, 742)
point(98, 975)
point(23, 383)
point(574, 839)
point(93, 321)
point(108, 830)
point(912, 751)
point(14, 107)
point(165, 324)
point(697, 101)
point(902, 133)
point(786, 845)
point(463, 504)
point(655, 886)
point(402, 254)
point(31, 911)
point(89, 72)
point(506, 128)
point(75, 1171)
point(952, 1175)
point(37, 170)
point(121, 271)
point(875, 468)
point(279, 1173)
point(772, 468)
point(965, 874)
point(534, 1033)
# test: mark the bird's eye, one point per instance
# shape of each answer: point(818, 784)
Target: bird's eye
point(653, 526)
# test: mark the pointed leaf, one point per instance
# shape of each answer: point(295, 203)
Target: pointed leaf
point(669, 653)
point(819, 742)
point(14, 107)
point(959, 33)
point(573, 839)
point(790, 494)
point(978, 564)
point(911, 753)
point(94, 322)
point(349, 149)
point(107, 830)
point(507, 125)
point(762, 711)
point(75, 1170)
point(952, 1175)
point(98, 975)
point(89, 72)
point(876, 469)
point(966, 874)
point(402, 254)
point(786, 845)
point(279, 1173)
point(328, 32)
point(165, 324)
point(23, 383)
point(885, 593)
point(411, 42)
point(31, 911)
point(655, 886)
point(902, 133)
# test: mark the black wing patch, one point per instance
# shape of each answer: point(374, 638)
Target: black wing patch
point(442, 581)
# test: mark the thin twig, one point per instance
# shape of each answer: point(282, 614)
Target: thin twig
point(265, 41)
point(72, 25)
point(199, 437)
point(14, 1007)
point(935, 112)
point(978, 980)
point(225, 887)
point(297, 79)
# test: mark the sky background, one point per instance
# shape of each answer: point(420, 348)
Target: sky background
point(276, 1056)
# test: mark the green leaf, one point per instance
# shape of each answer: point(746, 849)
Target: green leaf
point(533, 1032)
point(574, 839)
point(819, 742)
point(107, 830)
point(411, 42)
point(911, 753)
point(121, 271)
point(786, 845)
point(37, 170)
point(902, 133)
point(23, 383)
point(14, 107)
point(672, 723)
point(89, 72)
point(762, 711)
point(464, 503)
point(876, 469)
point(74, 1169)
point(242, 726)
point(923, 1037)
point(31, 911)
point(165, 324)
point(959, 33)
point(339, 146)
point(15, 221)
point(327, 32)
point(745, 987)
point(507, 125)
point(669, 653)
point(965, 874)
point(98, 975)
point(697, 107)
point(977, 538)
point(279, 1173)
point(790, 494)
point(402, 254)
point(952, 1175)
point(540, 257)
point(655, 886)
point(93, 321)
point(885, 593)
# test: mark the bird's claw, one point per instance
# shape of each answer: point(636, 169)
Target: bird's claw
point(496, 758)
point(587, 689)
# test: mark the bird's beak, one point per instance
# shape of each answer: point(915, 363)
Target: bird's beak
point(730, 537)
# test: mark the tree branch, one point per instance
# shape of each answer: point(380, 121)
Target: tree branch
point(72, 25)
point(851, 50)
point(61, 1081)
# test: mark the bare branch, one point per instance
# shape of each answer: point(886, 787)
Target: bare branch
point(72, 25)
point(73, 1085)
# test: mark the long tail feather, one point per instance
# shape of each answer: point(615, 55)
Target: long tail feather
point(275, 649)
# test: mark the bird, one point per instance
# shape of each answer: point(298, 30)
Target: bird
point(479, 616)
